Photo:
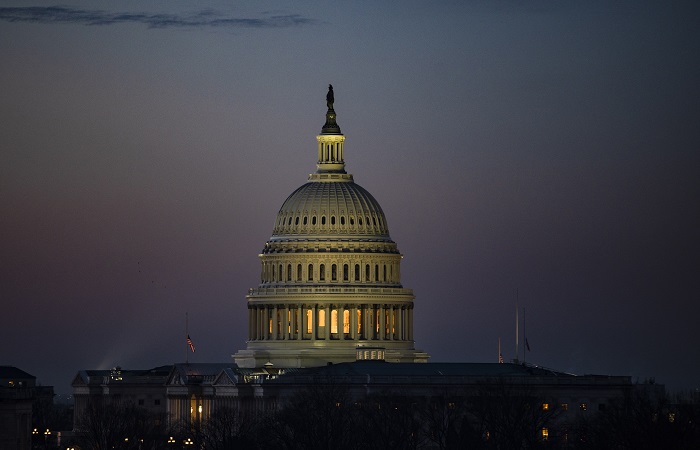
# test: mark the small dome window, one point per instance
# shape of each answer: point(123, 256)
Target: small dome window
point(305, 220)
point(323, 220)
point(342, 220)
point(352, 221)
point(313, 220)
point(359, 221)
point(332, 220)
point(296, 221)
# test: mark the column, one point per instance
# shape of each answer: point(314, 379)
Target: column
point(251, 327)
point(353, 322)
point(303, 321)
point(392, 323)
point(382, 323)
point(328, 322)
point(285, 323)
point(314, 321)
point(275, 324)
point(399, 324)
point(341, 322)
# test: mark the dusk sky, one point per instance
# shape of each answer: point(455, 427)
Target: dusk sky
point(544, 150)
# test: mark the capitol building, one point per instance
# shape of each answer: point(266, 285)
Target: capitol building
point(331, 310)
point(330, 286)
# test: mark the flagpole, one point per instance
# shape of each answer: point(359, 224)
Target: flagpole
point(187, 333)
point(517, 334)
point(524, 337)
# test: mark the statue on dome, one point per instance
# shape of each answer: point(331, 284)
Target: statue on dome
point(329, 97)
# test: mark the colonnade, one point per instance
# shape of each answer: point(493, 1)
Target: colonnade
point(310, 322)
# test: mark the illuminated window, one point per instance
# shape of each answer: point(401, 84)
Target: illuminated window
point(545, 406)
point(321, 317)
point(583, 406)
point(359, 320)
point(309, 321)
point(334, 321)
point(346, 321)
point(545, 434)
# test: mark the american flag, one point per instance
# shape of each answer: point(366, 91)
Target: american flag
point(190, 343)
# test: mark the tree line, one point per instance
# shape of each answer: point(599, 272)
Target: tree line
point(327, 416)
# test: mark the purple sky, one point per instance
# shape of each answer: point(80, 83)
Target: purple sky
point(548, 148)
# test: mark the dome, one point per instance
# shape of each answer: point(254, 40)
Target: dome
point(335, 208)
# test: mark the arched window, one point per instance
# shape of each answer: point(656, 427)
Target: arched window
point(346, 321)
point(311, 272)
point(342, 220)
point(323, 220)
point(274, 273)
point(376, 272)
point(313, 220)
point(305, 220)
point(281, 274)
point(321, 317)
point(384, 279)
point(309, 321)
point(332, 220)
point(334, 272)
point(334, 321)
point(357, 272)
point(298, 272)
point(322, 272)
point(367, 272)
point(346, 275)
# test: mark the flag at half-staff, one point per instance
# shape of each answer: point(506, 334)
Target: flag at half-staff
point(190, 344)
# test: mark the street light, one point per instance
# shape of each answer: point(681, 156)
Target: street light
point(47, 433)
point(188, 441)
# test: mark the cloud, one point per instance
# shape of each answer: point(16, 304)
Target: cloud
point(205, 18)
